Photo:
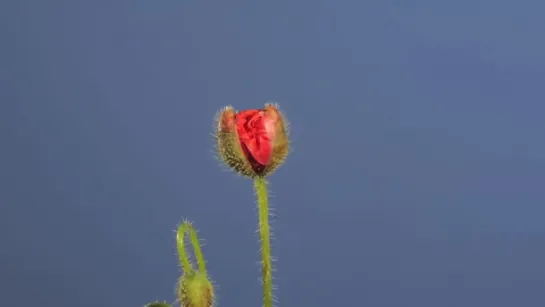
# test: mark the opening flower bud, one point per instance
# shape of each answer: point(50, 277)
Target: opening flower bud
point(252, 142)
point(195, 290)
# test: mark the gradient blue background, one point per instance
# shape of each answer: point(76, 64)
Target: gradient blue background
point(417, 176)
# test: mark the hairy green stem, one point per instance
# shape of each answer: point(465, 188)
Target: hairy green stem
point(260, 186)
point(187, 228)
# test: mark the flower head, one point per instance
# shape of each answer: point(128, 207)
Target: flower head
point(252, 142)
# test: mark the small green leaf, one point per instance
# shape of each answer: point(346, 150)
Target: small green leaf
point(158, 304)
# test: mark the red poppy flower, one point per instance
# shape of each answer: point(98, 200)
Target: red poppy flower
point(252, 142)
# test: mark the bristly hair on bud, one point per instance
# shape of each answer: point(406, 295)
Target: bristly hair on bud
point(195, 290)
point(255, 142)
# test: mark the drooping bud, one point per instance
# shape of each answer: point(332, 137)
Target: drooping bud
point(195, 290)
point(252, 142)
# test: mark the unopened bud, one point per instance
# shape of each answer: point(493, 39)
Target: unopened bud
point(195, 290)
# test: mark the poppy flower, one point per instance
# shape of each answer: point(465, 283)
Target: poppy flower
point(253, 142)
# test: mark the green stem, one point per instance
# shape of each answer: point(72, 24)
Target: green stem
point(187, 227)
point(260, 186)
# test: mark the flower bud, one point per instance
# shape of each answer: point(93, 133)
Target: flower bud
point(252, 142)
point(195, 290)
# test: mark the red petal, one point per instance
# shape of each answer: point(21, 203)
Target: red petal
point(253, 136)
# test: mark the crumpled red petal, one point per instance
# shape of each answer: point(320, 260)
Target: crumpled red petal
point(253, 137)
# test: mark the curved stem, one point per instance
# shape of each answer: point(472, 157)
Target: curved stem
point(187, 227)
point(260, 186)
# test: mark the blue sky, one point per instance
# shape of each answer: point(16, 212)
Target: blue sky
point(417, 176)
